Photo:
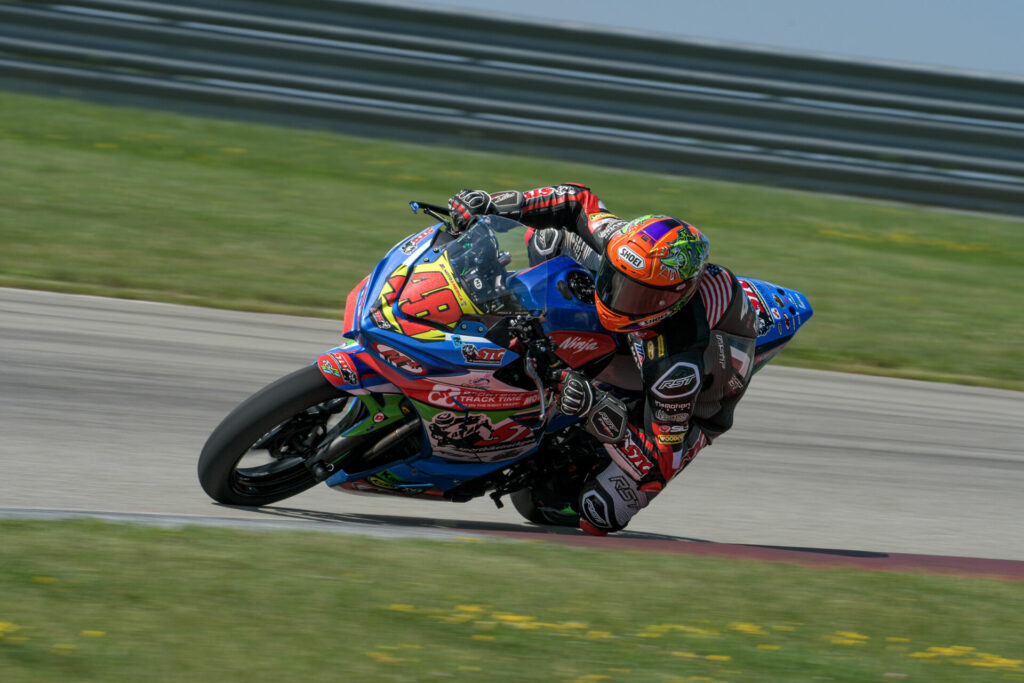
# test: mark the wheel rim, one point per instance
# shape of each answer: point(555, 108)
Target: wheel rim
point(276, 463)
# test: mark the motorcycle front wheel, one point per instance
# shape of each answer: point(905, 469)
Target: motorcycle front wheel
point(257, 455)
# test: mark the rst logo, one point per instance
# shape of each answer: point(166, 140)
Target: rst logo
point(631, 257)
point(399, 359)
point(680, 381)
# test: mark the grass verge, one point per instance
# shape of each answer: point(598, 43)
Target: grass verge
point(141, 204)
point(88, 601)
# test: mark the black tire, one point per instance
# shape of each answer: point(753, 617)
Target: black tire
point(525, 502)
point(522, 501)
point(284, 406)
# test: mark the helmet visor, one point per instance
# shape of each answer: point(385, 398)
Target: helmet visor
point(628, 297)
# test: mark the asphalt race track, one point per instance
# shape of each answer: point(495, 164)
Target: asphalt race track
point(106, 403)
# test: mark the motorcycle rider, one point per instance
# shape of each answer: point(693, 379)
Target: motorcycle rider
point(690, 326)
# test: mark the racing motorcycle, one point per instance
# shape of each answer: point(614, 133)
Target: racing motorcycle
point(443, 387)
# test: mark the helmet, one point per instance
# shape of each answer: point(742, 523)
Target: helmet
point(651, 268)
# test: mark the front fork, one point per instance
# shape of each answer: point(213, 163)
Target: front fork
point(346, 368)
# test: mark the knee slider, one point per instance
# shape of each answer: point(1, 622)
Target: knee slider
point(611, 500)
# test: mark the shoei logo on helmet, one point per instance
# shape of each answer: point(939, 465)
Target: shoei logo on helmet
point(631, 257)
point(681, 380)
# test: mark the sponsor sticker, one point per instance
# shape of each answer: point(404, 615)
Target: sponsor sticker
point(327, 366)
point(631, 257)
point(444, 396)
point(399, 359)
point(348, 369)
point(679, 381)
point(628, 455)
point(765, 321)
point(482, 356)
point(410, 246)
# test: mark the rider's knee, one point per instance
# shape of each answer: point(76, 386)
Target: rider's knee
point(610, 501)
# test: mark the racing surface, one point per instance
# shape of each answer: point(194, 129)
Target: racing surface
point(106, 403)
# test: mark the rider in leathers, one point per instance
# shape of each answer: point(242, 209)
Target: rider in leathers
point(689, 324)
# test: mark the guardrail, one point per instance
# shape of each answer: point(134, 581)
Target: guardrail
point(687, 107)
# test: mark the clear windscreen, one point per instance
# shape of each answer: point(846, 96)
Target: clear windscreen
point(485, 260)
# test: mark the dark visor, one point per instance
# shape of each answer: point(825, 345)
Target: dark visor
point(629, 297)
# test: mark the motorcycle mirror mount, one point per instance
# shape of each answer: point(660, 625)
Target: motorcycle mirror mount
point(433, 210)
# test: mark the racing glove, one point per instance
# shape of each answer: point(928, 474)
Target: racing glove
point(467, 206)
point(604, 415)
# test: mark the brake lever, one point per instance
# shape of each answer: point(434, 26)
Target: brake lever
point(434, 211)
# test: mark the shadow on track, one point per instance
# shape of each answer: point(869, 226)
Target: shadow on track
point(524, 529)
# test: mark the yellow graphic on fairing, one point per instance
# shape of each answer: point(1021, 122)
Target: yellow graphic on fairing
point(430, 293)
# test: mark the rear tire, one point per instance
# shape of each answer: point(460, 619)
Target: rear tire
point(526, 503)
point(284, 407)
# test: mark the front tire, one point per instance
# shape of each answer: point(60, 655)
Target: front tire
point(257, 454)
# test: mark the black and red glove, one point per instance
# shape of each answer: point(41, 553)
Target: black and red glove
point(575, 394)
point(468, 205)
point(605, 416)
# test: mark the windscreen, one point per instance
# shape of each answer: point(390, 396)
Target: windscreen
point(485, 260)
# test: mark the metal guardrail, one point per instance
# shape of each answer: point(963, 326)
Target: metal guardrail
point(394, 70)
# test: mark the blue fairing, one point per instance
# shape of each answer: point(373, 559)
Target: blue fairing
point(442, 359)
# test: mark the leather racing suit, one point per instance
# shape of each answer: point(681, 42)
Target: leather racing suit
point(695, 364)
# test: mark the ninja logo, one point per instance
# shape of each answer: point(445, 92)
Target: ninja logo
point(681, 380)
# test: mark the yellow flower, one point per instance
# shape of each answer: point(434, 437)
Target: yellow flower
point(94, 634)
point(851, 635)
point(718, 658)
point(744, 627)
point(511, 617)
point(382, 658)
point(469, 608)
point(396, 607)
point(483, 637)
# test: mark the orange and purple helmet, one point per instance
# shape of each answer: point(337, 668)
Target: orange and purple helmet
point(651, 268)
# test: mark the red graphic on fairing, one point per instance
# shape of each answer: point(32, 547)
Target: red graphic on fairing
point(399, 359)
point(474, 437)
point(579, 348)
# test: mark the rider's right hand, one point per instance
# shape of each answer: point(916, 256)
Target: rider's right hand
point(467, 206)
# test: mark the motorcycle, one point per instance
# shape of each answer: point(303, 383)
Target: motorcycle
point(443, 388)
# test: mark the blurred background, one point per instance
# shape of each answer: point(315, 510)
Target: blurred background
point(254, 159)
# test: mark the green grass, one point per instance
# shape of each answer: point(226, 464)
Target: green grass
point(130, 203)
point(86, 601)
